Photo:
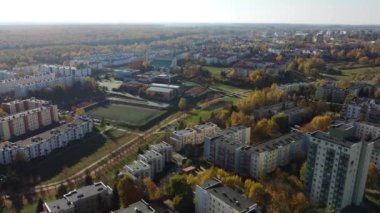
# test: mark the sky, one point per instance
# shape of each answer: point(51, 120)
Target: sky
point(352, 12)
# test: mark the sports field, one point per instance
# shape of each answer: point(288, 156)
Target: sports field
point(132, 115)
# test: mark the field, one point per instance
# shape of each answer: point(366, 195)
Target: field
point(215, 71)
point(57, 166)
point(131, 115)
point(348, 73)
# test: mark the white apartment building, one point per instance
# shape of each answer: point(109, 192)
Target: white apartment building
point(375, 157)
point(195, 135)
point(336, 170)
point(363, 130)
point(164, 149)
point(50, 75)
point(213, 197)
point(269, 155)
point(26, 121)
point(139, 170)
point(154, 159)
point(5, 74)
point(94, 198)
point(352, 111)
point(239, 134)
point(44, 143)
point(17, 106)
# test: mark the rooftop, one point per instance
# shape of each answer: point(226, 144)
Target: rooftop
point(137, 165)
point(326, 137)
point(160, 89)
point(138, 207)
point(278, 142)
point(205, 126)
point(86, 191)
point(229, 196)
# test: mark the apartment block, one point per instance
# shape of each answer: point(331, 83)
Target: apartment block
point(17, 106)
point(164, 149)
point(44, 143)
point(254, 160)
point(375, 157)
point(366, 130)
point(26, 121)
point(139, 170)
point(212, 197)
point(267, 156)
point(154, 159)
point(195, 135)
point(336, 170)
point(95, 198)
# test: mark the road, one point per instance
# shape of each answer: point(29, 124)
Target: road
point(101, 165)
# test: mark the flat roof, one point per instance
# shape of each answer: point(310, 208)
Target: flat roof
point(205, 126)
point(86, 191)
point(278, 142)
point(137, 165)
point(160, 89)
point(326, 137)
point(59, 205)
point(229, 196)
point(138, 207)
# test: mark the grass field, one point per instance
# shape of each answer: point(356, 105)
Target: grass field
point(132, 115)
point(215, 71)
point(58, 166)
point(348, 73)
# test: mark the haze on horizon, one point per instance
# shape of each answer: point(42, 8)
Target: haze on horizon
point(352, 12)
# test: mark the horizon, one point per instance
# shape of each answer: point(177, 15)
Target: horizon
point(323, 12)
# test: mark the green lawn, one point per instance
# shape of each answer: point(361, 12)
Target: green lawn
point(132, 115)
point(108, 177)
point(348, 73)
point(74, 158)
point(230, 88)
point(215, 71)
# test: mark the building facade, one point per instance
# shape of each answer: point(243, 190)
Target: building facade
point(44, 143)
point(336, 170)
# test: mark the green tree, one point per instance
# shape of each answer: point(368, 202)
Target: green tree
point(282, 122)
point(303, 171)
point(128, 191)
point(40, 206)
point(182, 104)
point(115, 200)
point(182, 203)
point(178, 185)
point(88, 180)
point(61, 191)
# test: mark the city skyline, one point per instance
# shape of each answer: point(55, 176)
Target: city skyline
point(352, 12)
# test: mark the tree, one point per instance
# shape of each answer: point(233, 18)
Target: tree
point(62, 190)
point(303, 171)
point(183, 203)
point(282, 122)
point(88, 180)
point(79, 111)
point(115, 199)
point(128, 191)
point(319, 123)
point(373, 176)
point(363, 60)
point(182, 104)
point(264, 129)
point(377, 94)
point(3, 113)
point(154, 192)
point(178, 185)
point(343, 84)
point(40, 206)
